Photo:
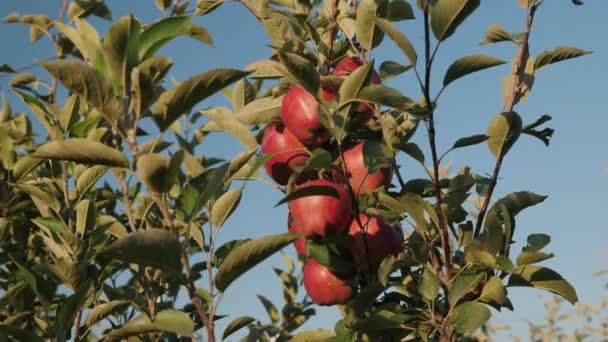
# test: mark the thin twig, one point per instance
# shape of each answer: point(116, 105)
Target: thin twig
point(520, 64)
point(332, 36)
point(445, 238)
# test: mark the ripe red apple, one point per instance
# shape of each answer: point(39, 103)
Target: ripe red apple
point(300, 114)
point(361, 181)
point(299, 244)
point(288, 152)
point(322, 214)
point(324, 286)
point(383, 239)
point(349, 64)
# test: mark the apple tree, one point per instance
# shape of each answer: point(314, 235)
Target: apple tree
point(106, 215)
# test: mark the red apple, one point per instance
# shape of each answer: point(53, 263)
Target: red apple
point(349, 64)
point(300, 114)
point(288, 152)
point(360, 179)
point(322, 214)
point(299, 244)
point(324, 286)
point(383, 239)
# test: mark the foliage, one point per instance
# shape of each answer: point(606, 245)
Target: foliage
point(100, 221)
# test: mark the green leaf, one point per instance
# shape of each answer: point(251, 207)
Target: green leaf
point(201, 34)
point(364, 23)
point(82, 151)
point(558, 54)
point(236, 325)
point(24, 166)
point(384, 96)
point(207, 6)
point(224, 119)
point(19, 334)
point(465, 283)
point(403, 43)
point(328, 256)
point(353, 84)
point(468, 65)
point(89, 84)
point(503, 132)
point(495, 34)
point(66, 313)
point(300, 71)
point(545, 135)
point(428, 285)
point(247, 255)
point(447, 15)
point(528, 258)
point(160, 33)
point(43, 195)
point(7, 69)
point(104, 310)
point(542, 278)
point(225, 206)
point(390, 69)
point(85, 8)
point(314, 190)
point(469, 316)
point(271, 310)
point(86, 217)
point(84, 37)
point(153, 170)
point(494, 292)
point(470, 140)
point(89, 177)
point(313, 335)
point(319, 159)
point(413, 151)
point(169, 320)
point(153, 247)
point(120, 48)
point(399, 10)
point(180, 99)
point(260, 111)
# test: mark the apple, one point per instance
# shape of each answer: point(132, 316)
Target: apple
point(322, 214)
point(299, 244)
point(361, 181)
point(383, 239)
point(345, 67)
point(287, 152)
point(324, 286)
point(300, 114)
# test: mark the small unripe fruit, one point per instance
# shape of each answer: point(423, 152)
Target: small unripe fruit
point(300, 115)
point(322, 214)
point(299, 244)
point(324, 286)
point(361, 181)
point(383, 239)
point(288, 152)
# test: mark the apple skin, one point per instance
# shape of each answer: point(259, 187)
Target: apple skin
point(322, 214)
point(288, 152)
point(345, 67)
point(325, 287)
point(360, 180)
point(300, 115)
point(383, 239)
point(299, 244)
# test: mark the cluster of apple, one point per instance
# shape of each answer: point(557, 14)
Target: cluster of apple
point(321, 216)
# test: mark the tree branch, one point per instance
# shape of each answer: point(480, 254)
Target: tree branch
point(445, 238)
point(520, 65)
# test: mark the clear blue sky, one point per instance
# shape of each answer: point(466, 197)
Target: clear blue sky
point(569, 171)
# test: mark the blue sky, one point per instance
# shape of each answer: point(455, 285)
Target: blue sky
point(569, 171)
